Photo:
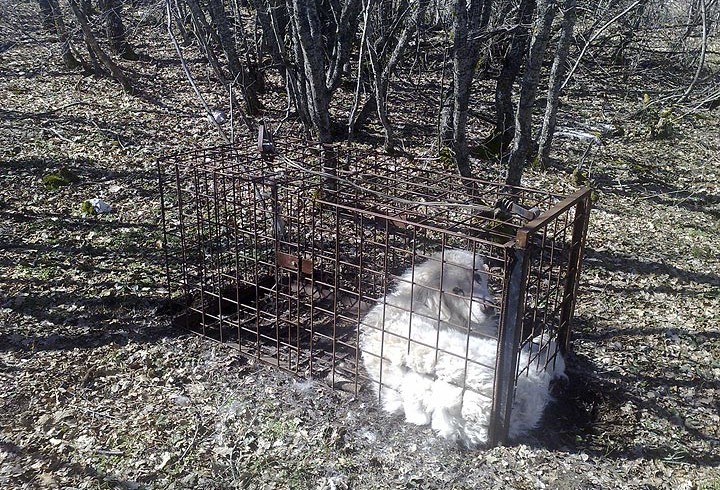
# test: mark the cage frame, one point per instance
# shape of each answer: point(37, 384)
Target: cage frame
point(517, 252)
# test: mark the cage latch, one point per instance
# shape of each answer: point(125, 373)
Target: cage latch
point(294, 263)
point(509, 206)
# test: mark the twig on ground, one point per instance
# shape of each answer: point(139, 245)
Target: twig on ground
point(109, 452)
point(192, 442)
point(57, 133)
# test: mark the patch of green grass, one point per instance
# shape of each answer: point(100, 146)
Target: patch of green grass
point(36, 272)
point(699, 252)
point(87, 208)
point(446, 156)
point(62, 178)
point(710, 485)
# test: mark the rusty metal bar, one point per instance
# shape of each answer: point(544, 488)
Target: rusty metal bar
point(549, 215)
point(580, 226)
point(508, 341)
point(165, 225)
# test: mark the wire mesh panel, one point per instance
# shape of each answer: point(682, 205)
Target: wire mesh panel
point(380, 272)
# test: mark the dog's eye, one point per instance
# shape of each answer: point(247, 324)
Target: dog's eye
point(458, 291)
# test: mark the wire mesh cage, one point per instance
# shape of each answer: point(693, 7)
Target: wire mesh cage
point(376, 272)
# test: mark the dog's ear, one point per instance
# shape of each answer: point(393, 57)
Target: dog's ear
point(426, 281)
point(457, 288)
point(453, 305)
point(434, 304)
point(421, 296)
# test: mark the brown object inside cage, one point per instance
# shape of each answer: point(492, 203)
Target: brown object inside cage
point(283, 253)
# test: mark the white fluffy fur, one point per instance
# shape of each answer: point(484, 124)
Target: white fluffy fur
point(431, 351)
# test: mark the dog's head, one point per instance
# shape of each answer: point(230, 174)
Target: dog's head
point(454, 285)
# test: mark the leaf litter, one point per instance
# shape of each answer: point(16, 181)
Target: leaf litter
point(99, 391)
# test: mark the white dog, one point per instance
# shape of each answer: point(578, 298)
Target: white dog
point(430, 350)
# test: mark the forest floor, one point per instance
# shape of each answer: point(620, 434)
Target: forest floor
point(98, 390)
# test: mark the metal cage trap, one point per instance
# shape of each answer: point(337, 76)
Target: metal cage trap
point(284, 252)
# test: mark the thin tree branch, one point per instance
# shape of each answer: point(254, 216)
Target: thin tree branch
point(701, 62)
point(188, 75)
point(356, 100)
point(595, 36)
point(95, 48)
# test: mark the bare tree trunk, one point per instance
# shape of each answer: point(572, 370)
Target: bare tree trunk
point(278, 12)
point(308, 39)
point(95, 48)
point(504, 132)
point(116, 30)
point(272, 17)
point(297, 81)
point(382, 75)
point(354, 119)
point(205, 35)
point(238, 71)
point(54, 23)
point(345, 33)
point(528, 89)
point(87, 8)
point(463, 72)
point(250, 45)
point(377, 85)
point(185, 22)
point(468, 22)
point(557, 73)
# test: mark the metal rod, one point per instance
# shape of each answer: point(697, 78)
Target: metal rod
point(580, 226)
point(508, 342)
